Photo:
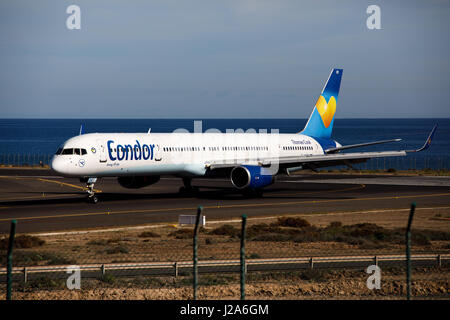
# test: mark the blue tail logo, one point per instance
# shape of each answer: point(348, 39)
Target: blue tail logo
point(320, 123)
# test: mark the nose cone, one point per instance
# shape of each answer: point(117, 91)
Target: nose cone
point(59, 165)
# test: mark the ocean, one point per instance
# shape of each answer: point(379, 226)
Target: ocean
point(29, 141)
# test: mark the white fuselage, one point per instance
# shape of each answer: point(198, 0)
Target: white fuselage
point(180, 154)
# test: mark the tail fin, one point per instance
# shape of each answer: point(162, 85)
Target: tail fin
point(320, 123)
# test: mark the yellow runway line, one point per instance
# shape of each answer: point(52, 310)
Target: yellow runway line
point(333, 200)
point(99, 213)
point(67, 184)
point(361, 186)
point(224, 206)
point(51, 181)
point(46, 196)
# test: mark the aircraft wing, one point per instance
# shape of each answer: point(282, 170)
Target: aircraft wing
point(351, 146)
point(307, 162)
point(295, 163)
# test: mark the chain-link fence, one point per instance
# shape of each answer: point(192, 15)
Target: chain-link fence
point(357, 256)
point(16, 159)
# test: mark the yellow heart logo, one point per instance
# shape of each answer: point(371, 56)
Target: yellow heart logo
point(326, 110)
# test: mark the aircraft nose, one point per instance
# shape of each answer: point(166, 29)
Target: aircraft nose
point(58, 165)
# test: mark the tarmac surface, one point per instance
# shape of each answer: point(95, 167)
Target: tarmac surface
point(40, 201)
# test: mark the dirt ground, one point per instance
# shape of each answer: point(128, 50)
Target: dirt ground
point(159, 243)
point(427, 283)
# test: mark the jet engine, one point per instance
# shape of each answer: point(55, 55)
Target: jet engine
point(251, 177)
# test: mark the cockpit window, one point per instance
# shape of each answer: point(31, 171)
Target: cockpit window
point(76, 151)
point(67, 151)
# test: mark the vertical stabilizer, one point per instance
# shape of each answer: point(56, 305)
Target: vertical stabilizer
point(320, 123)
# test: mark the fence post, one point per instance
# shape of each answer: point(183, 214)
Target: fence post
point(12, 233)
point(243, 264)
point(195, 267)
point(25, 275)
point(408, 252)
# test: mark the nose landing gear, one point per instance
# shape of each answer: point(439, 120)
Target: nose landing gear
point(92, 198)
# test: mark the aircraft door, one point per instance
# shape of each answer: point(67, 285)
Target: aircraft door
point(158, 156)
point(102, 150)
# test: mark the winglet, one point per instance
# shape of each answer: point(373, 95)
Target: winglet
point(427, 142)
point(81, 130)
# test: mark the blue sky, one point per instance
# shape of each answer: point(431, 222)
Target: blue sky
point(222, 59)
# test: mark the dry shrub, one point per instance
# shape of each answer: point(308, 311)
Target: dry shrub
point(22, 241)
point(149, 234)
point(291, 222)
point(226, 230)
point(185, 233)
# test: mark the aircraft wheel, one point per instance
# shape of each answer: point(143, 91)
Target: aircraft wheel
point(258, 193)
point(195, 190)
point(188, 191)
point(93, 199)
point(253, 193)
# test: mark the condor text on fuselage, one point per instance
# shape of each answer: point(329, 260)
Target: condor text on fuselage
point(125, 152)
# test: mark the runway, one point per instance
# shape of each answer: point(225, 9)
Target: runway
point(43, 202)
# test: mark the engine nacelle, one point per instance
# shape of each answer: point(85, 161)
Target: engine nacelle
point(254, 177)
point(136, 182)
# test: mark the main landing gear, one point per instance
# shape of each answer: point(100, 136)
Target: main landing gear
point(92, 198)
point(188, 189)
point(252, 193)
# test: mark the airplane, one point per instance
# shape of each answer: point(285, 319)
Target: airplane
point(250, 160)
